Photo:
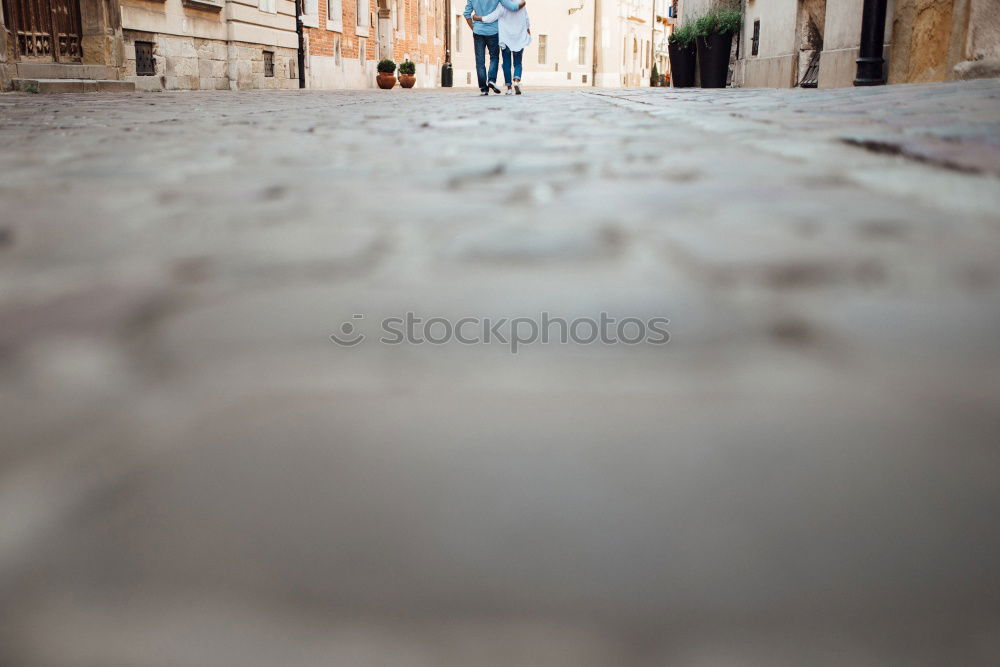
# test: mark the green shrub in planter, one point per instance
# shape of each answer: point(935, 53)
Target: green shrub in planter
point(682, 36)
point(654, 77)
point(714, 33)
point(386, 66)
point(407, 67)
point(729, 21)
point(718, 22)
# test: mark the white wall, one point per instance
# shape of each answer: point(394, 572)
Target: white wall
point(842, 39)
point(777, 27)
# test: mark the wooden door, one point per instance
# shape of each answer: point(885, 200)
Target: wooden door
point(45, 30)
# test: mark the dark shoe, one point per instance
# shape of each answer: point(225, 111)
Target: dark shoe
point(494, 88)
point(485, 93)
point(517, 88)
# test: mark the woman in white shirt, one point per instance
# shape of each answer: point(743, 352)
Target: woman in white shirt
point(515, 35)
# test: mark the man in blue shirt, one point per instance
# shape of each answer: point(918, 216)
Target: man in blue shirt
point(484, 36)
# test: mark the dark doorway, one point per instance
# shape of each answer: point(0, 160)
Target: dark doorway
point(809, 26)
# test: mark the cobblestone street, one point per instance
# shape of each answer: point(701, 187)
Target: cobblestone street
point(193, 474)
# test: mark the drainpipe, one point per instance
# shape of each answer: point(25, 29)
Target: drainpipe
point(652, 41)
point(300, 31)
point(597, 42)
point(871, 66)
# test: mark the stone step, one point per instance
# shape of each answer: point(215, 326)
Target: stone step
point(62, 71)
point(73, 86)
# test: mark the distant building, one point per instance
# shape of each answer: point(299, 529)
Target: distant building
point(630, 37)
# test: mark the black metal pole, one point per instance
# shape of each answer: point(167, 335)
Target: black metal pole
point(871, 66)
point(447, 73)
point(300, 30)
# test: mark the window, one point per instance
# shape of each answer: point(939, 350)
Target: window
point(459, 24)
point(542, 48)
point(269, 63)
point(269, 6)
point(755, 40)
point(420, 18)
point(362, 11)
point(582, 58)
point(144, 63)
point(335, 15)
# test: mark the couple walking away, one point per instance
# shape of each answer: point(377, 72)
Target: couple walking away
point(498, 25)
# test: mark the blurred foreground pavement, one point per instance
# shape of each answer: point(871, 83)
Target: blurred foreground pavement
point(193, 474)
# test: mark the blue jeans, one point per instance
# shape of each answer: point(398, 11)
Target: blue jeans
point(480, 43)
point(506, 64)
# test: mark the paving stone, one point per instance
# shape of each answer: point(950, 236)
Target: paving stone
point(196, 474)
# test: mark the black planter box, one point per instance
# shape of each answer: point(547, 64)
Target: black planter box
point(682, 60)
point(713, 60)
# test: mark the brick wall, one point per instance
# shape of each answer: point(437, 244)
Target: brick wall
point(406, 36)
point(322, 41)
point(428, 47)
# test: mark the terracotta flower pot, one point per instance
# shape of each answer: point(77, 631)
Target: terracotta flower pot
point(385, 80)
point(407, 80)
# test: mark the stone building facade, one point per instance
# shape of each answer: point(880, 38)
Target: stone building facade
point(210, 44)
point(345, 39)
point(925, 40)
point(67, 45)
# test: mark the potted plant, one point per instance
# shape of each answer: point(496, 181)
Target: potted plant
point(407, 72)
point(386, 78)
point(683, 54)
point(714, 33)
point(654, 77)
